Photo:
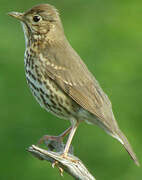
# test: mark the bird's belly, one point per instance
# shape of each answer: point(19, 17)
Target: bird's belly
point(49, 95)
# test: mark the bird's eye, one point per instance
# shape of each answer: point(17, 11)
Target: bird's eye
point(36, 18)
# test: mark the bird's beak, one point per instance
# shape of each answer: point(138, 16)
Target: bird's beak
point(16, 15)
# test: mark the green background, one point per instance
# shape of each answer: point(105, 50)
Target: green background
point(108, 37)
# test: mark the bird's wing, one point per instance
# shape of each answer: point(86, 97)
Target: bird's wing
point(73, 77)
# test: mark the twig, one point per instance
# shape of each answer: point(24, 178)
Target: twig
point(72, 165)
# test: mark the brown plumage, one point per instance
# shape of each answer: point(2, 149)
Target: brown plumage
point(59, 79)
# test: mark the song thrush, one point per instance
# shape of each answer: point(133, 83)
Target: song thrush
point(58, 78)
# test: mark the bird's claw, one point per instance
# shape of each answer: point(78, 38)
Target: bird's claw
point(55, 163)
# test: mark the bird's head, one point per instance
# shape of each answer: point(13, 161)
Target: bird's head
point(40, 21)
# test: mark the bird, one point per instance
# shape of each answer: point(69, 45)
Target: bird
point(59, 79)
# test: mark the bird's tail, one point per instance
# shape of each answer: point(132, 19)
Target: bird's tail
point(123, 140)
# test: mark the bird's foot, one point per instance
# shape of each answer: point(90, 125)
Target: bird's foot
point(55, 163)
point(49, 138)
point(68, 157)
point(53, 142)
point(54, 138)
point(56, 142)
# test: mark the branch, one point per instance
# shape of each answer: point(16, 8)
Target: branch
point(72, 165)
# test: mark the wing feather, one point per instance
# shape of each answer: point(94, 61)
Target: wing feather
point(73, 77)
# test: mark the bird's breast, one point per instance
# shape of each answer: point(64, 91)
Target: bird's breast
point(45, 90)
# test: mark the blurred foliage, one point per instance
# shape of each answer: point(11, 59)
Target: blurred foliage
point(108, 36)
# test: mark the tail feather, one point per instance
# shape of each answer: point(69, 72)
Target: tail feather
point(123, 140)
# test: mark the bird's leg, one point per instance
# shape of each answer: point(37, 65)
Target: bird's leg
point(72, 132)
point(55, 138)
point(67, 131)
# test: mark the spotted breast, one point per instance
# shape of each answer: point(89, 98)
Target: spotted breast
point(44, 89)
